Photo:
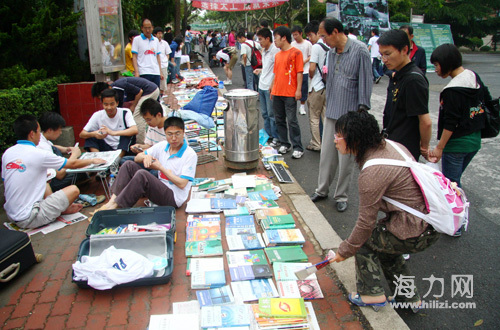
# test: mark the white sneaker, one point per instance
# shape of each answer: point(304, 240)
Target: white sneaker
point(406, 256)
point(302, 110)
point(228, 82)
point(274, 143)
point(297, 154)
point(284, 150)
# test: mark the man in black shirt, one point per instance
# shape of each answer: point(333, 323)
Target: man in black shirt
point(406, 113)
point(416, 53)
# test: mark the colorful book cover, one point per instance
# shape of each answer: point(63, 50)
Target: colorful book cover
point(204, 248)
point(245, 242)
point(250, 272)
point(240, 258)
point(239, 221)
point(257, 205)
point(225, 316)
point(254, 289)
point(207, 186)
point(207, 273)
point(240, 210)
point(264, 213)
point(267, 322)
point(262, 195)
point(216, 296)
point(283, 307)
point(205, 233)
point(275, 237)
point(278, 222)
point(293, 253)
point(218, 203)
point(307, 289)
point(285, 271)
point(261, 187)
point(194, 220)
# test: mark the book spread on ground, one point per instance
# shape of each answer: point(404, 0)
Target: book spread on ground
point(253, 290)
point(207, 273)
point(204, 248)
point(243, 181)
point(282, 307)
point(194, 220)
point(240, 210)
point(202, 205)
point(245, 242)
point(274, 237)
point(174, 322)
point(225, 316)
point(203, 233)
point(307, 289)
point(249, 272)
point(222, 204)
point(242, 258)
point(240, 225)
point(262, 195)
point(293, 253)
point(215, 296)
point(278, 222)
point(264, 213)
point(186, 307)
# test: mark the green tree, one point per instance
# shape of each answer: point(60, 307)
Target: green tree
point(160, 12)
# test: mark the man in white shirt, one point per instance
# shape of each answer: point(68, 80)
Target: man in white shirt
point(175, 162)
point(146, 54)
point(266, 76)
point(305, 47)
point(316, 102)
point(110, 129)
point(165, 52)
point(30, 202)
point(246, 55)
point(374, 53)
point(51, 124)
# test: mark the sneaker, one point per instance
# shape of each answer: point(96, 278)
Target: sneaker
point(459, 232)
point(406, 256)
point(228, 82)
point(297, 154)
point(175, 81)
point(284, 150)
point(302, 110)
point(274, 143)
point(378, 79)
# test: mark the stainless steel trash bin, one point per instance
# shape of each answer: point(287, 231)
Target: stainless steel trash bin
point(241, 129)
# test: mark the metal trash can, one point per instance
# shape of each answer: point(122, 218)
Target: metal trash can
point(241, 129)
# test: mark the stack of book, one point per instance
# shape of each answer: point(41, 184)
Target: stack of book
point(281, 313)
point(241, 233)
point(289, 286)
point(203, 236)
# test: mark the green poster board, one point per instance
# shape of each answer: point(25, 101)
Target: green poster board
point(429, 36)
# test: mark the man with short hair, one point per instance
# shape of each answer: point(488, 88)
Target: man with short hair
point(305, 47)
point(375, 55)
point(417, 54)
point(131, 89)
point(146, 54)
point(286, 91)
point(169, 37)
point(229, 57)
point(349, 84)
point(30, 202)
point(247, 46)
point(175, 162)
point(129, 62)
point(316, 102)
point(406, 112)
point(266, 76)
point(110, 129)
point(165, 52)
point(188, 37)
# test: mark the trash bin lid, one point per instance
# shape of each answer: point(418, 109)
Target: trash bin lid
point(240, 94)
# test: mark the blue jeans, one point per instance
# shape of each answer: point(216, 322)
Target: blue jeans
point(266, 106)
point(376, 68)
point(154, 78)
point(285, 110)
point(177, 69)
point(455, 163)
point(188, 47)
point(249, 77)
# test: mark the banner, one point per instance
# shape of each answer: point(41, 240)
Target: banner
point(363, 16)
point(235, 5)
point(205, 27)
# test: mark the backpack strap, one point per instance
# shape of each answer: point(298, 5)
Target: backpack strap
point(406, 208)
point(124, 121)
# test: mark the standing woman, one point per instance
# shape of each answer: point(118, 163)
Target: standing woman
point(461, 113)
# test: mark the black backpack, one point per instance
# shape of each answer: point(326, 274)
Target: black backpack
point(326, 49)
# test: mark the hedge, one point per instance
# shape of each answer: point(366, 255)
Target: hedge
point(35, 100)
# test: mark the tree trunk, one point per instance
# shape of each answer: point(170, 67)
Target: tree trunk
point(177, 20)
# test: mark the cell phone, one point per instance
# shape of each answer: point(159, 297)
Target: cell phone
point(139, 148)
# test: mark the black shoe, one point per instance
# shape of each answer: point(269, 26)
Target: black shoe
point(316, 197)
point(341, 206)
point(378, 79)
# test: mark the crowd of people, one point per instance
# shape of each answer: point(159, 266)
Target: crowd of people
point(330, 73)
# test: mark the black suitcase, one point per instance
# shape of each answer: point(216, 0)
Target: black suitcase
point(140, 216)
point(16, 254)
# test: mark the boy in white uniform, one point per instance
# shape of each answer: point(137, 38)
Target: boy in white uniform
point(175, 162)
point(146, 55)
point(165, 52)
point(30, 202)
point(110, 129)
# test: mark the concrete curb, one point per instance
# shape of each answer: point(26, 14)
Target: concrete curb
point(326, 238)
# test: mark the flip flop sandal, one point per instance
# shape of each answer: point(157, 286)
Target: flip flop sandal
point(356, 300)
point(84, 203)
point(100, 199)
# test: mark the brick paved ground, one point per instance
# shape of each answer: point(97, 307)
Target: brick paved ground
point(44, 297)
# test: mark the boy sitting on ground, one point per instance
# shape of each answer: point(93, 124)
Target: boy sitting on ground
point(30, 202)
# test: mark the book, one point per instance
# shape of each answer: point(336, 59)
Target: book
point(202, 205)
point(261, 187)
point(203, 233)
point(283, 307)
point(206, 186)
point(249, 272)
point(274, 237)
point(186, 307)
point(253, 290)
point(267, 322)
point(194, 220)
point(285, 271)
point(216, 296)
point(240, 225)
point(257, 205)
point(306, 289)
point(224, 316)
point(243, 181)
point(219, 203)
point(204, 248)
point(311, 316)
point(240, 210)
point(174, 321)
point(278, 222)
point(293, 253)
point(264, 213)
point(241, 258)
point(262, 195)
point(245, 242)
point(207, 273)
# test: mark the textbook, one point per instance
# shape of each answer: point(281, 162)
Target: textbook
point(307, 289)
point(264, 213)
point(202, 220)
point(240, 210)
point(204, 248)
point(207, 273)
point(262, 195)
point(278, 222)
point(202, 205)
point(217, 296)
point(236, 315)
point(285, 271)
point(206, 186)
point(257, 205)
point(241, 258)
point(240, 225)
point(274, 237)
point(267, 322)
point(174, 321)
point(252, 290)
point(245, 242)
point(249, 272)
point(243, 181)
point(203, 233)
point(219, 203)
point(293, 253)
point(282, 307)
point(261, 187)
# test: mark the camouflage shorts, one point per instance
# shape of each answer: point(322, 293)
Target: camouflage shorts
point(381, 256)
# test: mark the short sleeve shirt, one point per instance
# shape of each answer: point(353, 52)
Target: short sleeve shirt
point(45, 144)
point(246, 49)
point(318, 56)
point(305, 47)
point(146, 50)
point(287, 64)
point(116, 123)
point(154, 135)
point(267, 74)
point(182, 164)
point(24, 171)
point(164, 52)
point(374, 50)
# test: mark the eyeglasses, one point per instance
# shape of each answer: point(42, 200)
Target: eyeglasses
point(337, 137)
point(385, 56)
point(176, 134)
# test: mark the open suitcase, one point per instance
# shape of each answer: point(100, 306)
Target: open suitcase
point(142, 243)
point(16, 254)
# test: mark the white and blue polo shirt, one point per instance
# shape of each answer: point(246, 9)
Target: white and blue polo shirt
point(183, 164)
point(146, 50)
point(24, 172)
